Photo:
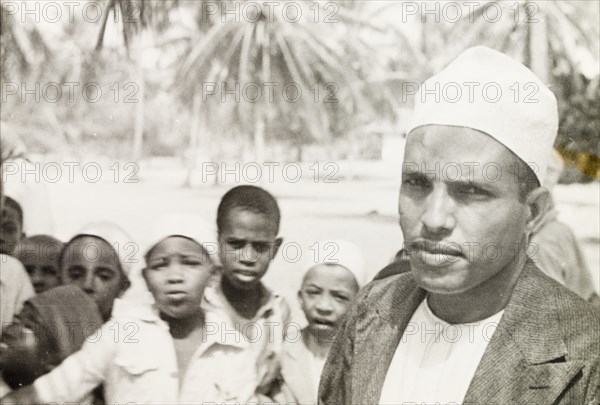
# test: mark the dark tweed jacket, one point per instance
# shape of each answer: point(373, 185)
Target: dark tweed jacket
point(546, 349)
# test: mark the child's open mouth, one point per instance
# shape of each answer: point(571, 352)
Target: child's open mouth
point(246, 275)
point(325, 323)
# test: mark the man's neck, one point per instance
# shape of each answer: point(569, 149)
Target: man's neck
point(246, 302)
point(480, 302)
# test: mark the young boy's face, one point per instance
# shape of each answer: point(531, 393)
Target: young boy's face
point(11, 229)
point(325, 295)
point(41, 263)
point(248, 242)
point(93, 265)
point(177, 271)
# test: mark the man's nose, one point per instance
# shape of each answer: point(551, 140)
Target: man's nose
point(438, 216)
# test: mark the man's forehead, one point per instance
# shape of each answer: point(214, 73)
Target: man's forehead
point(455, 144)
point(458, 153)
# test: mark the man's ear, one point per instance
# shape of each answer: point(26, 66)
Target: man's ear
point(539, 203)
point(276, 245)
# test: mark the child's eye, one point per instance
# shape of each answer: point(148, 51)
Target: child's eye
point(261, 247)
point(342, 298)
point(192, 262)
point(158, 263)
point(105, 275)
point(51, 271)
point(75, 273)
point(236, 244)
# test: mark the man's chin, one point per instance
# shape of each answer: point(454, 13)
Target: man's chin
point(449, 280)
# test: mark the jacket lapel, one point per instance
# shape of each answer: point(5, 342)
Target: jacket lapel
point(525, 360)
point(378, 334)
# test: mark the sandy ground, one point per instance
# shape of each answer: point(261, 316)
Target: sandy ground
point(360, 207)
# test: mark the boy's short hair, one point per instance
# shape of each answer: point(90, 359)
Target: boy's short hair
point(11, 202)
point(45, 245)
point(248, 198)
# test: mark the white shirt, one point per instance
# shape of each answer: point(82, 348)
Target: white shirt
point(435, 361)
point(15, 289)
point(133, 355)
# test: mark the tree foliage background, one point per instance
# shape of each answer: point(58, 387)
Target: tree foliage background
point(151, 59)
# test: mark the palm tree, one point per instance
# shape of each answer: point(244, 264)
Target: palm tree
point(255, 52)
point(139, 19)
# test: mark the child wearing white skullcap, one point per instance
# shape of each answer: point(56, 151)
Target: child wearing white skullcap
point(334, 272)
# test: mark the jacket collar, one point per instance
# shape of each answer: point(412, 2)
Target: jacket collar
point(525, 359)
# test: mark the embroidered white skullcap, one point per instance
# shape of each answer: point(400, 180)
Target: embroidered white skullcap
point(484, 89)
point(341, 252)
point(123, 244)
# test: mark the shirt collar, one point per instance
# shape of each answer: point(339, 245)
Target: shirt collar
point(215, 300)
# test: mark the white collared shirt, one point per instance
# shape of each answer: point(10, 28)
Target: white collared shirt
point(264, 334)
point(435, 361)
point(133, 355)
point(15, 289)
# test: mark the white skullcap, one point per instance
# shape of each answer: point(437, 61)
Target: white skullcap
point(339, 252)
point(189, 226)
point(123, 244)
point(486, 90)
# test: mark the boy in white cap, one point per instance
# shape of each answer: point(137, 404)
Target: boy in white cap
point(164, 353)
point(474, 321)
point(98, 260)
point(332, 279)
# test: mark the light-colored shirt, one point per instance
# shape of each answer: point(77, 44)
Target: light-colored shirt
point(435, 361)
point(264, 333)
point(134, 356)
point(301, 368)
point(15, 288)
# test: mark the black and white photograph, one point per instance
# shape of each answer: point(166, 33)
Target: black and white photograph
point(300, 202)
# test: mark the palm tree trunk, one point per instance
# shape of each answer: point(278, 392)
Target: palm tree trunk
point(259, 138)
point(138, 129)
point(192, 151)
point(537, 47)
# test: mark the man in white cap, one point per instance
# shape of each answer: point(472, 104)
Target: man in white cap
point(474, 321)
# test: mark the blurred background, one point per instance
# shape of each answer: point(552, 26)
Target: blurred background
point(166, 97)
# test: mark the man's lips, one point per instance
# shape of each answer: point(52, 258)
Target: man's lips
point(434, 248)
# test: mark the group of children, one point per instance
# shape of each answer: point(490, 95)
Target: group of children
point(201, 327)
